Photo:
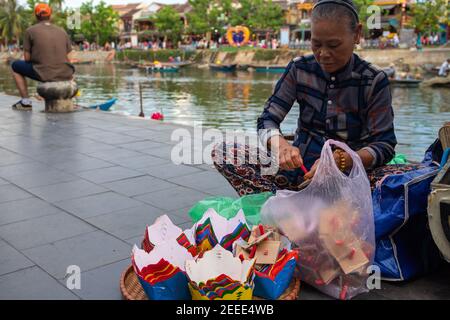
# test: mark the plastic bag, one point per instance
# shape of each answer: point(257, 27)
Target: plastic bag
point(399, 159)
point(229, 207)
point(332, 223)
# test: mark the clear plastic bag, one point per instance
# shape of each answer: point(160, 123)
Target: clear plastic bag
point(331, 221)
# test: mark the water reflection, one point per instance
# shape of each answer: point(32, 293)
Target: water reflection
point(235, 100)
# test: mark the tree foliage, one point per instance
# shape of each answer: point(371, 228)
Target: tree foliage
point(13, 21)
point(99, 23)
point(428, 15)
point(217, 15)
point(168, 21)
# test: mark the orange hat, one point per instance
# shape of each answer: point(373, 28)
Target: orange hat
point(42, 10)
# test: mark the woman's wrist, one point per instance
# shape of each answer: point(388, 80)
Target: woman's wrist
point(343, 160)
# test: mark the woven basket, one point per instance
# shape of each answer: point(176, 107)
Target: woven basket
point(132, 290)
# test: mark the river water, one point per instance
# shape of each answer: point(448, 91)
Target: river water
point(224, 100)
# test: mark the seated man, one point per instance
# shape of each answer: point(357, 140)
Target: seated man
point(46, 55)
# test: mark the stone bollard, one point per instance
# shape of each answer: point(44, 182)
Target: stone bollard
point(58, 95)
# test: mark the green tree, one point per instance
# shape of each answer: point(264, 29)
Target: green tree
point(168, 22)
point(13, 21)
point(209, 15)
point(266, 15)
point(99, 22)
point(426, 16)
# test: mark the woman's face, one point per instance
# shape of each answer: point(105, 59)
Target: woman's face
point(333, 43)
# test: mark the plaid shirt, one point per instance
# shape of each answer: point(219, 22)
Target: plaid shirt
point(353, 105)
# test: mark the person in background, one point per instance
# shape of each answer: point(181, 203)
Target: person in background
point(445, 67)
point(47, 58)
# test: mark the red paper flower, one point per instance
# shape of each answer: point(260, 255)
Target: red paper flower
point(157, 116)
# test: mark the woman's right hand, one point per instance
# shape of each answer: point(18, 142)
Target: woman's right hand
point(289, 157)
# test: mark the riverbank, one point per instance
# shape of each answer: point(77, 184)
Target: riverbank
point(79, 188)
point(267, 57)
point(254, 56)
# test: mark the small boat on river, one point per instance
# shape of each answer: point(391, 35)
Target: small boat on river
point(223, 67)
point(405, 82)
point(158, 68)
point(269, 68)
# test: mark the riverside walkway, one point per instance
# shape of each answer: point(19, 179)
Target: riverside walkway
point(79, 189)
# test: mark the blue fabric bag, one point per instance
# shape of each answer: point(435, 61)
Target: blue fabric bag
point(404, 245)
point(175, 288)
point(273, 289)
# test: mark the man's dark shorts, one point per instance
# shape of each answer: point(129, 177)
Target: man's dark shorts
point(25, 69)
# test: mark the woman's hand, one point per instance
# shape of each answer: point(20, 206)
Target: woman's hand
point(337, 159)
point(289, 157)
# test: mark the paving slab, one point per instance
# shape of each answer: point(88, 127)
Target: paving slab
point(127, 223)
point(142, 145)
point(12, 260)
point(102, 283)
point(88, 251)
point(67, 190)
point(172, 199)
point(170, 170)
point(139, 185)
point(10, 192)
point(20, 210)
point(23, 168)
point(115, 154)
point(38, 231)
point(109, 174)
point(140, 162)
point(97, 204)
point(33, 284)
point(41, 178)
point(89, 163)
point(202, 181)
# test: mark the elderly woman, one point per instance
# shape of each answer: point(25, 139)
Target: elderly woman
point(341, 97)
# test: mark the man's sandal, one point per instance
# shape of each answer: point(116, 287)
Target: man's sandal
point(22, 107)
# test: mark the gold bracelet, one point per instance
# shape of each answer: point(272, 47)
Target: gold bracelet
point(342, 161)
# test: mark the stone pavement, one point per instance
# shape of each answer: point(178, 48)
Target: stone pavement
point(79, 189)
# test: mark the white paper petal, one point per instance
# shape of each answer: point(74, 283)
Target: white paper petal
point(170, 251)
point(162, 230)
point(216, 262)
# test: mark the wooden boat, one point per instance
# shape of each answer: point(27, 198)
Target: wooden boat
point(158, 68)
point(270, 68)
point(76, 62)
point(242, 67)
point(180, 64)
point(442, 82)
point(104, 106)
point(405, 82)
point(163, 69)
point(223, 67)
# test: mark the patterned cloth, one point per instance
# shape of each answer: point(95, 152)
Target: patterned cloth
point(246, 178)
point(353, 105)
